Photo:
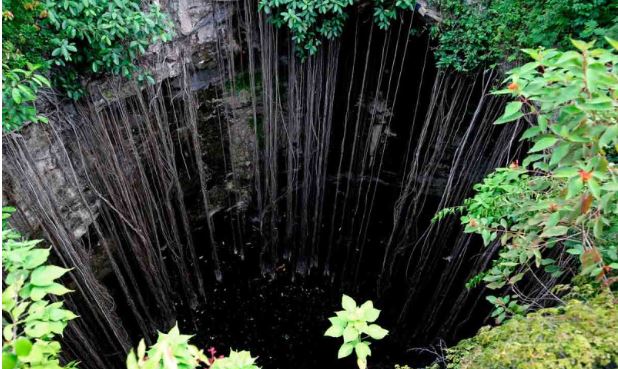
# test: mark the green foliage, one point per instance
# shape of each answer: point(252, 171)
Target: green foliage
point(31, 322)
point(565, 194)
point(19, 91)
point(578, 335)
point(482, 33)
point(110, 36)
point(77, 39)
point(25, 39)
point(235, 360)
point(173, 351)
point(309, 22)
point(352, 324)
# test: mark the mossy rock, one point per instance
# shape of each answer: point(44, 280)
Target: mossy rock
point(578, 335)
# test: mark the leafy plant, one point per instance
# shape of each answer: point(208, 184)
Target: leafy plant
point(352, 324)
point(76, 39)
point(25, 38)
point(173, 351)
point(110, 36)
point(19, 92)
point(565, 194)
point(235, 360)
point(483, 33)
point(31, 322)
point(309, 22)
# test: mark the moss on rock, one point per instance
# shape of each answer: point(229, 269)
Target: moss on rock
point(578, 335)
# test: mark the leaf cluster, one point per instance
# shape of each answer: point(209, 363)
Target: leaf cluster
point(73, 40)
point(353, 325)
point(19, 93)
point(564, 196)
point(484, 33)
point(311, 22)
point(173, 351)
point(31, 322)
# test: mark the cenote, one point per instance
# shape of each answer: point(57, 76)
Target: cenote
point(254, 183)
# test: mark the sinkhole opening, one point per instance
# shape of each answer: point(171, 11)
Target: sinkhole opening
point(278, 308)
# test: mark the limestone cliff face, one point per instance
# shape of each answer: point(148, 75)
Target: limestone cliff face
point(51, 149)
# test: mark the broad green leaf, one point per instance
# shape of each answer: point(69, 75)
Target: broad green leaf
point(348, 303)
point(362, 350)
point(38, 330)
point(35, 258)
point(559, 153)
point(337, 321)
point(376, 332)
point(16, 94)
point(350, 334)
point(609, 136)
point(371, 315)
point(612, 42)
point(544, 143)
point(334, 331)
point(345, 350)
point(23, 346)
point(565, 172)
point(594, 187)
point(555, 231)
point(45, 275)
point(9, 360)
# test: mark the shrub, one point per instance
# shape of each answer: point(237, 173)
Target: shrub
point(76, 39)
point(97, 36)
point(565, 193)
point(483, 33)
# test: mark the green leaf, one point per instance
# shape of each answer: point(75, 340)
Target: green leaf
point(348, 303)
point(609, 136)
point(35, 258)
point(9, 360)
point(371, 315)
point(543, 143)
point(337, 321)
point(345, 350)
point(376, 332)
point(565, 172)
point(512, 112)
point(23, 346)
point(594, 187)
point(334, 331)
point(362, 350)
point(45, 275)
point(555, 231)
point(612, 42)
point(350, 334)
point(559, 153)
point(16, 94)
point(38, 330)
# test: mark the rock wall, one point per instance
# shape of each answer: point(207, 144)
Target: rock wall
point(198, 26)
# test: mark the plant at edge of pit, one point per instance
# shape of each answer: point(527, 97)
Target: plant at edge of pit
point(352, 323)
